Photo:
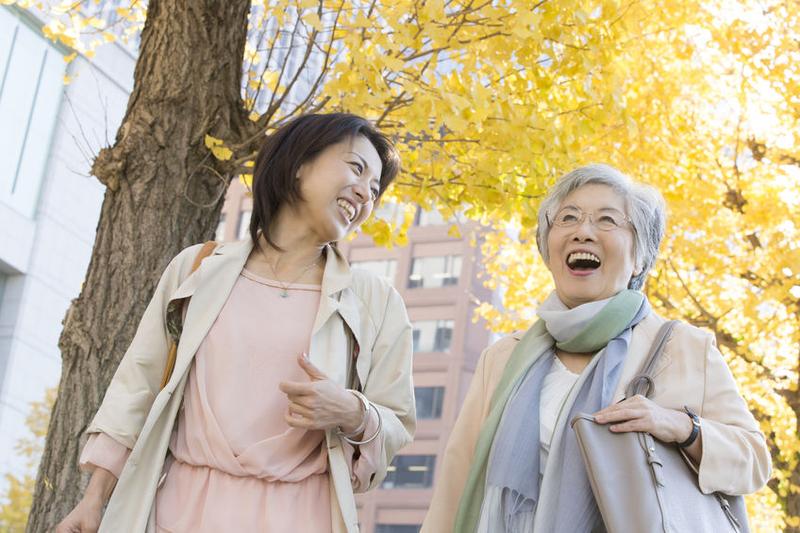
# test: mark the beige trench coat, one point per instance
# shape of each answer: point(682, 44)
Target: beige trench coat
point(135, 413)
point(691, 372)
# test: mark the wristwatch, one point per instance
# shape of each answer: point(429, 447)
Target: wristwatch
point(695, 428)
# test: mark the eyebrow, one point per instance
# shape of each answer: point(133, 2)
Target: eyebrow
point(366, 166)
point(363, 161)
point(601, 209)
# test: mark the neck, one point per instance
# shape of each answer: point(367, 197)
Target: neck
point(297, 247)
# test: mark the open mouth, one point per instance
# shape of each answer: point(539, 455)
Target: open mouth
point(348, 209)
point(583, 261)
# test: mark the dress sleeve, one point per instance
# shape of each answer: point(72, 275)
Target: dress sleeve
point(104, 452)
point(735, 458)
point(364, 460)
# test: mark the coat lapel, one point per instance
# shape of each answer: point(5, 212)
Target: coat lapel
point(641, 342)
point(337, 303)
point(208, 289)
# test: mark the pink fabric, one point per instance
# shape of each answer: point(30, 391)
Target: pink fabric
point(237, 465)
point(103, 451)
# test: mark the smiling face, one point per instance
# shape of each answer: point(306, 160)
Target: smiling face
point(589, 264)
point(339, 188)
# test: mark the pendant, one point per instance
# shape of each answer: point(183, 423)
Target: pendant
point(284, 293)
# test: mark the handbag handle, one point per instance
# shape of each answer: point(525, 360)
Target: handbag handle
point(643, 383)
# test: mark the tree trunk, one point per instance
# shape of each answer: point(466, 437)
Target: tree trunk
point(164, 192)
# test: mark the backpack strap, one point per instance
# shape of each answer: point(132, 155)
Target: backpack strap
point(172, 355)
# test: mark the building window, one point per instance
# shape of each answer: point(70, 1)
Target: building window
point(429, 402)
point(244, 225)
point(410, 472)
point(31, 89)
point(432, 335)
point(437, 271)
point(220, 233)
point(385, 268)
point(397, 528)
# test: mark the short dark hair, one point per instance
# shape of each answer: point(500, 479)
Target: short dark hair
point(300, 141)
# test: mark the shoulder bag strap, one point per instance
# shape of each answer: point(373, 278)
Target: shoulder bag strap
point(172, 354)
point(642, 383)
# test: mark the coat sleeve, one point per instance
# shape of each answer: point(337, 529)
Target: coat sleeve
point(390, 388)
point(735, 458)
point(457, 458)
point(136, 382)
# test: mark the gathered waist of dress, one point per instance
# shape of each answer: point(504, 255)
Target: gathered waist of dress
point(177, 461)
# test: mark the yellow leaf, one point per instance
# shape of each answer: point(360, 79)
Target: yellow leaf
point(454, 232)
point(218, 148)
point(70, 57)
point(312, 19)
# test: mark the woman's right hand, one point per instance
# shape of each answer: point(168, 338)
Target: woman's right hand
point(84, 518)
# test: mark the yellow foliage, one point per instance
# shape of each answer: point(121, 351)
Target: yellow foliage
point(16, 502)
point(490, 102)
point(218, 148)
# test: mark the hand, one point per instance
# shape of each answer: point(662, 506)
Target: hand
point(320, 404)
point(84, 518)
point(641, 414)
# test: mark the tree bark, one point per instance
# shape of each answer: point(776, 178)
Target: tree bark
point(164, 192)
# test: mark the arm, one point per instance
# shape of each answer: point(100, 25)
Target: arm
point(116, 425)
point(389, 387)
point(104, 458)
point(137, 380)
point(323, 404)
point(85, 517)
point(453, 471)
point(735, 458)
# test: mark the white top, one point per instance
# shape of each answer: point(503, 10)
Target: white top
point(555, 389)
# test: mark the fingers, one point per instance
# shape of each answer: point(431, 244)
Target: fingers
point(632, 425)
point(300, 410)
point(620, 415)
point(296, 388)
point(308, 367)
point(298, 421)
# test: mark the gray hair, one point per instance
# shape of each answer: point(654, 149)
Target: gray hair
point(644, 205)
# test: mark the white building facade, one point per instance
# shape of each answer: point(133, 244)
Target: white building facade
point(49, 204)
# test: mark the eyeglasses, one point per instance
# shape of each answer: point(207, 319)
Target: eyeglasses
point(605, 220)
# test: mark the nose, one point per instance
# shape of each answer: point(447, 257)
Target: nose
point(584, 231)
point(362, 192)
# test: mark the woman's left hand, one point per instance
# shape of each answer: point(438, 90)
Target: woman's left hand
point(641, 414)
point(320, 403)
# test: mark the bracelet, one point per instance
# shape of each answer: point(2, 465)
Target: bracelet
point(369, 404)
point(365, 409)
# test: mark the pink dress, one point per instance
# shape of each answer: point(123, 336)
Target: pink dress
point(235, 464)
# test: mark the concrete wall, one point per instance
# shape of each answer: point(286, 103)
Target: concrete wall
point(49, 205)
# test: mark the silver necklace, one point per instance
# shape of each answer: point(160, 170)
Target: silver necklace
point(285, 286)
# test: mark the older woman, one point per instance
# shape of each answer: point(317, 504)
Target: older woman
point(510, 464)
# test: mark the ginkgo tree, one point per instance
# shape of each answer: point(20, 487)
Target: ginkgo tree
point(488, 102)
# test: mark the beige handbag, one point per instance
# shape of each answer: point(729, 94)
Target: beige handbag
point(642, 485)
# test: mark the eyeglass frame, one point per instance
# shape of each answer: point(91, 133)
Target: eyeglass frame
point(584, 214)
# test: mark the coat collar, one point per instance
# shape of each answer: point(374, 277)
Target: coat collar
point(210, 285)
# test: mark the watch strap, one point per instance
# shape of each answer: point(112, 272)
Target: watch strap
point(695, 429)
